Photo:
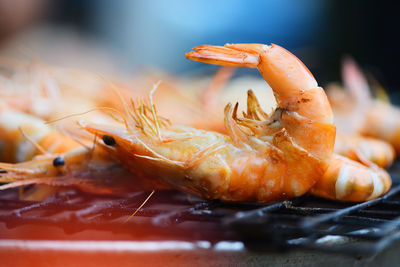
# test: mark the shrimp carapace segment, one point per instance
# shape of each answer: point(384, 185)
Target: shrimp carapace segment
point(293, 84)
point(347, 180)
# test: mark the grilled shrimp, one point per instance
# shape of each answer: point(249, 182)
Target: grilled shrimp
point(24, 136)
point(91, 170)
point(262, 158)
point(49, 159)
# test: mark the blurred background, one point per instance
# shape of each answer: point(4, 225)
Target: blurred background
point(128, 35)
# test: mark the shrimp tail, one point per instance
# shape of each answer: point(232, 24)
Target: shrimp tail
point(223, 56)
point(295, 88)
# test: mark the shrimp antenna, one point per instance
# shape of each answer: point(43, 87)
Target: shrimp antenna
point(91, 110)
point(117, 92)
point(153, 109)
point(233, 130)
point(33, 142)
point(76, 139)
point(143, 115)
point(159, 157)
point(141, 206)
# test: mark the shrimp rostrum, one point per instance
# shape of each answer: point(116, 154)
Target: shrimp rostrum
point(262, 158)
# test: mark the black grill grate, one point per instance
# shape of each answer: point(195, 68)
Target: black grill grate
point(306, 222)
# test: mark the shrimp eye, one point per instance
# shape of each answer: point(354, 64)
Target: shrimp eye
point(109, 140)
point(58, 161)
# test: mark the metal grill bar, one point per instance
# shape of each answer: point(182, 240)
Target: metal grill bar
point(306, 222)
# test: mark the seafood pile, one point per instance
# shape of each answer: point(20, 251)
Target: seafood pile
point(104, 137)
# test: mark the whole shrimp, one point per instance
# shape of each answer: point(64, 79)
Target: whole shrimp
point(262, 158)
point(50, 159)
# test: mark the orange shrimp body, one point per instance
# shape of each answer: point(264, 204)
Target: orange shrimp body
point(348, 180)
point(262, 158)
point(15, 147)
